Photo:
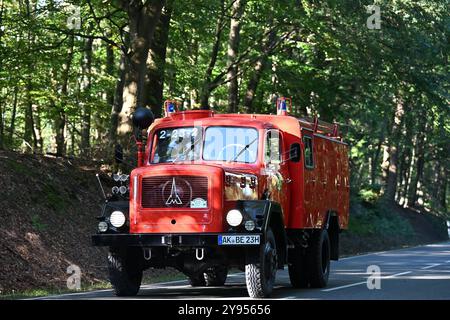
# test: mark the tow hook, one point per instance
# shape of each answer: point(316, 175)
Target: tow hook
point(199, 253)
point(147, 254)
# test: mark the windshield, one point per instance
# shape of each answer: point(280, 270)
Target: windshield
point(177, 144)
point(236, 144)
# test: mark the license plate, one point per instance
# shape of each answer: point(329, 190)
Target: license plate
point(225, 240)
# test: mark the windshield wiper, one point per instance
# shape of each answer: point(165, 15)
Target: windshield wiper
point(243, 149)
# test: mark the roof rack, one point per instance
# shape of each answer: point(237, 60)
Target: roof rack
point(320, 127)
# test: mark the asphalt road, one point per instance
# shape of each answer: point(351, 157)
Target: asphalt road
point(414, 273)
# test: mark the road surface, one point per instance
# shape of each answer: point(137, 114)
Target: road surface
point(414, 273)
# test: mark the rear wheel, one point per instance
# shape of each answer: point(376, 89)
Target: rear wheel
point(298, 268)
point(216, 276)
point(260, 277)
point(125, 270)
point(212, 277)
point(319, 259)
point(197, 280)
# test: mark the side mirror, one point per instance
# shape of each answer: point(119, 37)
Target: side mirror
point(143, 118)
point(295, 152)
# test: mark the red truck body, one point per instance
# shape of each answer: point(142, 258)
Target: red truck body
point(307, 194)
point(215, 191)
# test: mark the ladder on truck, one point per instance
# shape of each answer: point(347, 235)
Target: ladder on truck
point(330, 130)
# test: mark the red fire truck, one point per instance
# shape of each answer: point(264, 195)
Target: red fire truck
point(218, 191)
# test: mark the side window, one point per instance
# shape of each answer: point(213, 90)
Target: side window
point(272, 147)
point(295, 152)
point(309, 158)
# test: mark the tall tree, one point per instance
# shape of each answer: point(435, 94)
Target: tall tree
point(143, 18)
point(156, 62)
point(232, 53)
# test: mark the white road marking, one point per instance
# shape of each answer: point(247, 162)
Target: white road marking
point(364, 282)
point(344, 287)
point(431, 266)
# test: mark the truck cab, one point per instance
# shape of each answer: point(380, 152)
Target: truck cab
point(216, 191)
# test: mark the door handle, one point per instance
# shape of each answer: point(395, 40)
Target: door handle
point(288, 180)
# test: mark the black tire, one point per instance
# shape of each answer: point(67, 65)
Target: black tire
point(216, 276)
point(197, 280)
point(260, 277)
point(319, 259)
point(212, 277)
point(298, 268)
point(125, 271)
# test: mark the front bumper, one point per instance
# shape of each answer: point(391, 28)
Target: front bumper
point(165, 240)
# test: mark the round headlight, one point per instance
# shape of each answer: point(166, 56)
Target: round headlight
point(102, 226)
point(123, 189)
point(234, 217)
point(249, 225)
point(116, 177)
point(117, 219)
point(115, 190)
point(124, 177)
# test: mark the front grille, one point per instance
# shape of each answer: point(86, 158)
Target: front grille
point(173, 191)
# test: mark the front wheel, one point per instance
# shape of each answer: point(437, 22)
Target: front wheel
point(260, 277)
point(125, 271)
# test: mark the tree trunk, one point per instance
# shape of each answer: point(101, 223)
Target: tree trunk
point(156, 62)
point(12, 126)
point(420, 162)
point(442, 188)
point(205, 91)
point(60, 121)
point(391, 184)
point(118, 101)
point(86, 105)
point(258, 70)
point(142, 24)
point(39, 143)
point(374, 168)
point(233, 49)
point(29, 135)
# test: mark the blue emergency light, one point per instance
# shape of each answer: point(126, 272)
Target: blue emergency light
point(282, 106)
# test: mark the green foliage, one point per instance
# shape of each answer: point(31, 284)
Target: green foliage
point(324, 57)
point(54, 197)
point(378, 220)
point(369, 196)
point(37, 223)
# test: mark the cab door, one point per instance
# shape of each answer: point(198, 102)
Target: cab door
point(310, 182)
point(277, 171)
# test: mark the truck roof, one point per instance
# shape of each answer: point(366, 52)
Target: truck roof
point(286, 123)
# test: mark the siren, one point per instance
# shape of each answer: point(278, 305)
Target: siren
point(283, 104)
point(170, 107)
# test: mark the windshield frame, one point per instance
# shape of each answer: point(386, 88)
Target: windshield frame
point(154, 135)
